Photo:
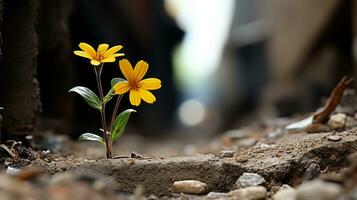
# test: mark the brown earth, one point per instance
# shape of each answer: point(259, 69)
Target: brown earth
point(286, 160)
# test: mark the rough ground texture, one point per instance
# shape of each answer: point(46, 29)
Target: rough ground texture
point(284, 161)
point(18, 70)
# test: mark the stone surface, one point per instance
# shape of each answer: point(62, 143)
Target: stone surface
point(249, 193)
point(189, 187)
point(249, 179)
point(318, 190)
point(337, 121)
point(18, 84)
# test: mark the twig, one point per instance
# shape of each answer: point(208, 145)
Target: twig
point(322, 116)
point(12, 154)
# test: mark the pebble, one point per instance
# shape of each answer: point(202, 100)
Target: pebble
point(235, 134)
point(249, 193)
point(217, 196)
point(189, 187)
point(286, 193)
point(334, 138)
point(246, 142)
point(12, 171)
point(227, 154)
point(312, 171)
point(249, 179)
point(243, 158)
point(277, 133)
point(337, 121)
point(318, 190)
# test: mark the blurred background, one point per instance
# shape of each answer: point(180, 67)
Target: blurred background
point(223, 64)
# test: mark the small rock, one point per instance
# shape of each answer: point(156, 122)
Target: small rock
point(285, 186)
point(12, 171)
point(249, 193)
point(235, 134)
point(249, 179)
point(189, 187)
point(311, 172)
point(274, 189)
point(247, 142)
point(217, 195)
point(318, 190)
point(351, 122)
point(277, 133)
point(337, 121)
point(243, 158)
point(285, 193)
point(334, 138)
point(227, 154)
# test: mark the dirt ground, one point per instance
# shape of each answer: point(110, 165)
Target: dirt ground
point(279, 157)
point(276, 159)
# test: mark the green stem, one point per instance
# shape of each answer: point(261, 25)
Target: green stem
point(115, 110)
point(107, 139)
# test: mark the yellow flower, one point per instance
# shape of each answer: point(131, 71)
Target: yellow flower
point(138, 87)
point(102, 55)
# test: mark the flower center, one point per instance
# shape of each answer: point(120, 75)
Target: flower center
point(133, 85)
point(99, 57)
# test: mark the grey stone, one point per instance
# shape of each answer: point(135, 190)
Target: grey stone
point(249, 179)
point(318, 190)
point(227, 154)
point(189, 187)
point(249, 193)
point(217, 195)
point(312, 171)
point(12, 171)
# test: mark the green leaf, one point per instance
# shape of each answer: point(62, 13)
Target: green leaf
point(91, 137)
point(120, 124)
point(109, 96)
point(90, 97)
point(116, 80)
point(111, 92)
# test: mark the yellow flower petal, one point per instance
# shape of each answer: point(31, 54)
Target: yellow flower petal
point(140, 70)
point(134, 97)
point(150, 84)
point(102, 48)
point(82, 54)
point(112, 50)
point(117, 54)
point(95, 62)
point(147, 96)
point(88, 48)
point(122, 87)
point(126, 69)
point(110, 59)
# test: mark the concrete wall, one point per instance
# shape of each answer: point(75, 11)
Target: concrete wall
point(19, 88)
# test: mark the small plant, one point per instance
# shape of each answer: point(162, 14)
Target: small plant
point(133, 83)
